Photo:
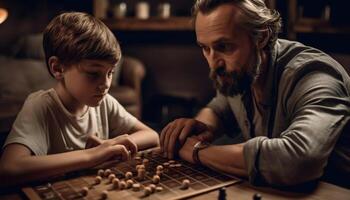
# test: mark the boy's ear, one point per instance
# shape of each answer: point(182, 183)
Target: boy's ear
point(55, 67)
point(264, 39)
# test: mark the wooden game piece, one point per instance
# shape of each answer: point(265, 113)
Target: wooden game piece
point(178, 165)
point(171, 161)
point(104, 194)
point(257, 196)
point(136, 187)
point(159, 173)
point(145, 162)
point(111, 177)
point(100, 172)
point(172, 165)
point(166, 164)
point(115, 183)
point(160, 168)
point(159, 188)
point(185, 184)
point(129, 183)
point(155, 179)
point(84, 191)
point(147, 191)
point(141, 174)
point(107, 172)
point(122, 185)
point(128, 175)
point(222, 194)
point(153, 187)
point(139, 167)
point(98, 180)
point(137, 158)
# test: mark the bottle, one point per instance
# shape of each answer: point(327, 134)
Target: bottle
point(142, 10)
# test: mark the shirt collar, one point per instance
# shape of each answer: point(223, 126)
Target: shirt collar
point(268, 94)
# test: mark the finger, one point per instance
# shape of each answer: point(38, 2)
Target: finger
point(131, 146)
point(186, 131)
point(172, 136)
point(96, 140)
point(121, 151)
point(92, 141)
point(173, 139)
point(162, 137)
point(166, 139)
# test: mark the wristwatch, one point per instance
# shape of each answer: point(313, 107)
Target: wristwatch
point(196, 148)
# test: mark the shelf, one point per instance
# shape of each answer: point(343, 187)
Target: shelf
point(307, 25)
point(151, 24)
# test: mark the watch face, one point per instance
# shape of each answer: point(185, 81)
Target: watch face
point(203, 145)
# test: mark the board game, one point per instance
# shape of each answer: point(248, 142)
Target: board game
point(147, 176)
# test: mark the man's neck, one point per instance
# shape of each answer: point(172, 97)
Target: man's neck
point(259, 84)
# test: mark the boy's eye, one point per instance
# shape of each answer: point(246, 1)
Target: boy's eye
point(92, 74)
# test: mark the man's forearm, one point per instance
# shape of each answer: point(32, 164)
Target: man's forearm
point(231, 159)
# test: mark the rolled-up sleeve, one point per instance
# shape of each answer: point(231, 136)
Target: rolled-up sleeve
point(318, 108)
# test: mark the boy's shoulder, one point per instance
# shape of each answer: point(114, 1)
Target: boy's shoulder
point(39, 100)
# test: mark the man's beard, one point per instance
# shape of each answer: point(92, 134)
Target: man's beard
point(240, 82)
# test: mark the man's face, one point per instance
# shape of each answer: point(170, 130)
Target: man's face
point(88, 81)
point(232, 57)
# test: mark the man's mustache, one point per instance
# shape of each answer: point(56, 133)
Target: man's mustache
point(221, 72)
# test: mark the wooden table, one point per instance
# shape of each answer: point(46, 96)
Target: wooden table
point(245, 191)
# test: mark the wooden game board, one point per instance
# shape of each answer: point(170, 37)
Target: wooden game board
point(202, 180)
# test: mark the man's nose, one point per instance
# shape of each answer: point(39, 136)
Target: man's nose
point(215, 61)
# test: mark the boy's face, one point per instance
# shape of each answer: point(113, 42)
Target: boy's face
point(88, 81)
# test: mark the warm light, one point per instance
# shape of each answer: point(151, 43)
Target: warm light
point(3, 15)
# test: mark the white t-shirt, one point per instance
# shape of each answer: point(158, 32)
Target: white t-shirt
point(45, 126)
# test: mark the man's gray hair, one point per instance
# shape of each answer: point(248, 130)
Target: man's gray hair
point(255, 17)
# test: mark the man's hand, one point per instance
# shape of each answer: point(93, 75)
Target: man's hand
point(186, 151)
point(174, 135)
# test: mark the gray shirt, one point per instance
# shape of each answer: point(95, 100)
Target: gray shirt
point(299, 134)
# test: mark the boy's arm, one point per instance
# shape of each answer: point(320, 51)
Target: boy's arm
point(143, 136)
point(18, 165)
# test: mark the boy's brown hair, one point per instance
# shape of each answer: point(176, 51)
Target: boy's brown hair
point(73, 36)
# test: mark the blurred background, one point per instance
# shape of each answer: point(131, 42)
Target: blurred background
point(171, 77)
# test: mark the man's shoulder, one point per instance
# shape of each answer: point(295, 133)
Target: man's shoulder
point(297, 58)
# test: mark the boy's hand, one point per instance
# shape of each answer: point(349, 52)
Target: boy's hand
point(93, 141)
point(125, 140)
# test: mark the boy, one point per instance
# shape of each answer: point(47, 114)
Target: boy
point(66, 128)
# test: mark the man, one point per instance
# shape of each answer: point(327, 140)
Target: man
point(291, 102)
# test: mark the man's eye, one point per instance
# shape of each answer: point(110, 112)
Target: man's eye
point(204, 48)
point(224, 47)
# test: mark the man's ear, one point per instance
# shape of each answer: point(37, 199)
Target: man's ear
point(56, 67)
point(264, 39)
